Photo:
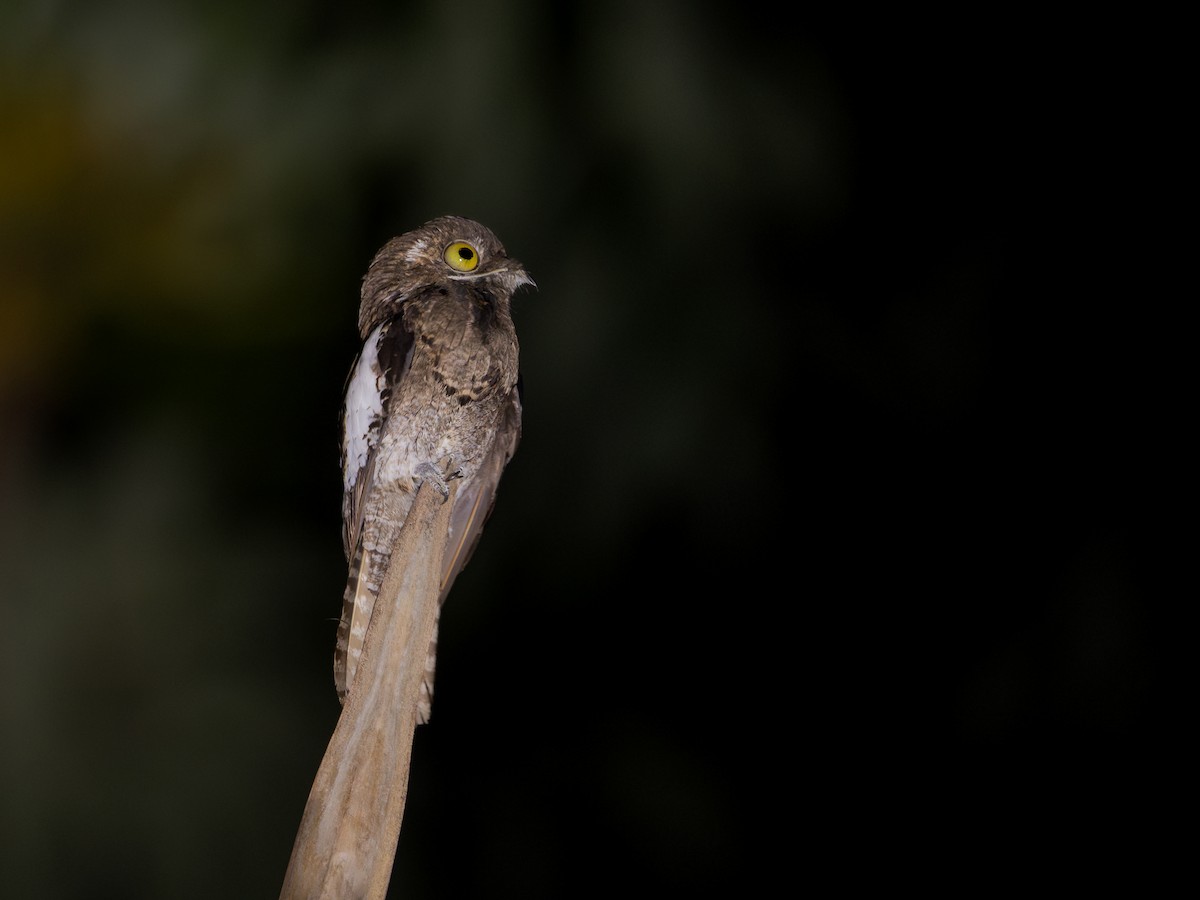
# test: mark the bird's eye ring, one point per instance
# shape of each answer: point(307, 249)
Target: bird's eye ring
point(461, 256)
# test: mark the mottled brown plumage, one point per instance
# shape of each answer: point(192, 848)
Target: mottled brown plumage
point(433, 395)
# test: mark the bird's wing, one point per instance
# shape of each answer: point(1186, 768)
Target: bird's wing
point(472, 508)
point(384, 360)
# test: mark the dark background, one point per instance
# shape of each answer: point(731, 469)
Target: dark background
point(822, 551)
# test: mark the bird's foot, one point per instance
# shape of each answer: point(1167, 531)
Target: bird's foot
point(428, 472)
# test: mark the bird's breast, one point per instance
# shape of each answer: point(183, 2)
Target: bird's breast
point(447, 402)
point(428, 422)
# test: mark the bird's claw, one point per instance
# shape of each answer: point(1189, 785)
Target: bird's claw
point(431, 474)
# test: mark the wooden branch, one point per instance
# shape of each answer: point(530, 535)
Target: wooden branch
point(346, 842)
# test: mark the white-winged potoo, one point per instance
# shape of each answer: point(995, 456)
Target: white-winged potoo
point(433, 395)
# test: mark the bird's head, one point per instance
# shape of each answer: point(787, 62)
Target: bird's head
point(446, 249)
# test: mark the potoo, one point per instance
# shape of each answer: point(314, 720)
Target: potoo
point(433, 396)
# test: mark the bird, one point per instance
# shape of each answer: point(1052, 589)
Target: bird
point(434, 395)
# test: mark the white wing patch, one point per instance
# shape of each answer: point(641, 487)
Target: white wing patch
point(364, 406)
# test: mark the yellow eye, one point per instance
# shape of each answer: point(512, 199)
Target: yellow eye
point(462, 256)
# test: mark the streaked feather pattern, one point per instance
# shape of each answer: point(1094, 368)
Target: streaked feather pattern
point(436, 383)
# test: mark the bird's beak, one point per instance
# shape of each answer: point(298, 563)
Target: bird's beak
point(520, 276)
